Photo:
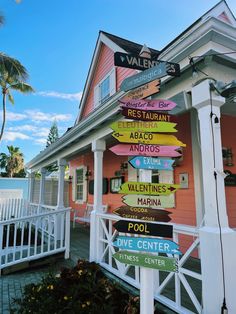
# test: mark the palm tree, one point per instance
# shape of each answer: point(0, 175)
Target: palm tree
point(13, 162)
point(12, 77)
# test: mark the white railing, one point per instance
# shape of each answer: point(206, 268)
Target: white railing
point(170, 288)
point(13, 208)
point(36, 236)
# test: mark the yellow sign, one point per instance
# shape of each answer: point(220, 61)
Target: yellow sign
point(148, 188)
point(147, 138)
point(144, 126)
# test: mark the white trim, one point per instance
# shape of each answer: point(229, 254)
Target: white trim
point(112, 87)
point(84, 168)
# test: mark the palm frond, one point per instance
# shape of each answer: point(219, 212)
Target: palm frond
point(10, 98)
point(12, 67)
point(2, 19)
point(22, 87)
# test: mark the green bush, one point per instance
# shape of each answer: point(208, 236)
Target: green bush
point(83, 289)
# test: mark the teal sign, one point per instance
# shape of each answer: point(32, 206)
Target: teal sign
point(147, 245)
point(151, 163)
point(144, 77)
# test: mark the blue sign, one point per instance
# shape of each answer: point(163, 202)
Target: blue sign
point(141, 162)
point(147, 245)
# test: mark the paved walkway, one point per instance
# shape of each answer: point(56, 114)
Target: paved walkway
point(12, 285)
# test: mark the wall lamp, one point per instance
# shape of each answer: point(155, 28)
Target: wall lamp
point(88, 174)
point(70, 179)
point(228, 157)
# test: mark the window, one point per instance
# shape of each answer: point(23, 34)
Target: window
point(79, 184)
point(105, 88)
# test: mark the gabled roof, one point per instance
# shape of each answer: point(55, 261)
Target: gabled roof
point(220, 11)
point(115, 43)
point(130, 46)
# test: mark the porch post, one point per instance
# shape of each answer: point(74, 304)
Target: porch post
point(60, 192)
point(98, 147)
point(42, 188)
point(31, 186)
point(216, 229)
point(147, 275)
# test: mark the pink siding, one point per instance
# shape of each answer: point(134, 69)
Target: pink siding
point(228, 131)
point(105, 63)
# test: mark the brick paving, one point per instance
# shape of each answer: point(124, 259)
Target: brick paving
point(12, 285)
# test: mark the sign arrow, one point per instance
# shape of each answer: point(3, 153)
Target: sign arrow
point(146, 201)
point(145, 90)
point(168, 264)
point(148, 214)
point(151, 163)
point(160, 127)
point(148, 138)
point(144, 115)
point(148, 104)
point(144, 228)
point(146, 76)
point(145, 150)
point(145, 188)
point(146, 245)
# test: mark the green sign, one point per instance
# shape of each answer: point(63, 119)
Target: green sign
point(146, 188)
point(168, 264)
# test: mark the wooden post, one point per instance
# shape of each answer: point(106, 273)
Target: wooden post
point(98, 147)
point(41, 188)
point(216, 230)
point(146, 274)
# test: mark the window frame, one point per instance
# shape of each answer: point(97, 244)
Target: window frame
point(83, 184)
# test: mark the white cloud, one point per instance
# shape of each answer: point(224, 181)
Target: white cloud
point(40, 141)
point(34, 130)
point(12, 136)
point(11, 116)
point(36, 115)
point(73, 96)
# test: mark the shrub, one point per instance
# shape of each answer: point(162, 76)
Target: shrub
point(83, 289)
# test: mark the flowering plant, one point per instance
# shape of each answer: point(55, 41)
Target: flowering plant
point(83, 289)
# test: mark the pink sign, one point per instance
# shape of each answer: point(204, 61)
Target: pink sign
point(145, 150)
point(148, 104)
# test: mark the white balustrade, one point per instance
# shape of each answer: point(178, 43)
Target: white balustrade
point(174, 282)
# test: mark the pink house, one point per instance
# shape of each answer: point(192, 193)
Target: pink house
point(203, 209)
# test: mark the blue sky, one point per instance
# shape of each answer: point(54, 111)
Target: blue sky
point(55, 40)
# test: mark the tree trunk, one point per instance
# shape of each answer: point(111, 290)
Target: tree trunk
point(3, 114)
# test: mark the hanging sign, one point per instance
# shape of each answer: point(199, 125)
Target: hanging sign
point(145, 90)
point(143, 126)
point(147, 188)
point(147, 201)
point(168, 264)
point(151, 163)
point(147, 138)
point(134, 61)
point(141, 213)
point(145, 150)
point(156, 72)
point(137, 114)
point(148, 104)
point(146, 245)
point(144, 228)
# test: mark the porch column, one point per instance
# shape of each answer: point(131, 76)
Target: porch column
point(31, 186)
point(216, 229)
point(147, 275)
point(98, 147)
point(60, 192)
point(42, 188)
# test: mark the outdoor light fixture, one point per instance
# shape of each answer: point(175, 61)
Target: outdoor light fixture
point(229, 157)
point(70, 179)
point(124, 167)
point(88, 173)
